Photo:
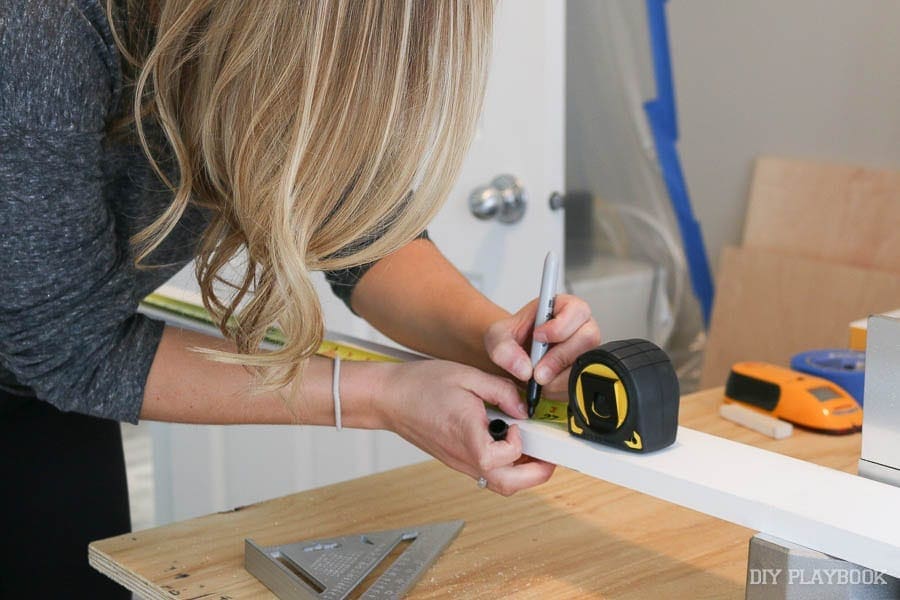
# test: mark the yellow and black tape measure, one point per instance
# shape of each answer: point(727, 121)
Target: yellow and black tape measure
point(624, 394)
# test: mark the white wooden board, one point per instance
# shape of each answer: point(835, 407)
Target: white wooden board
point(837, 513)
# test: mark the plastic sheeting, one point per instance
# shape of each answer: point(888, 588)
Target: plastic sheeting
point(619, 198)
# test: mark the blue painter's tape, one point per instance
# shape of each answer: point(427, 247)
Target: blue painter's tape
point(662, 117)
point(691, 235)
point(662, 68)
point(847, 368)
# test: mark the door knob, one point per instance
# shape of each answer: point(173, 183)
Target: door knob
point(503, 199)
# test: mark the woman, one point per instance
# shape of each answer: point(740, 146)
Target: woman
point(307, 135)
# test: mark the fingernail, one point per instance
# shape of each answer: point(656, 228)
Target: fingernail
point(540, 336)
point(523, 369)
point(542, 375)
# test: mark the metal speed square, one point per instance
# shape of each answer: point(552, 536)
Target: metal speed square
point(334, 568)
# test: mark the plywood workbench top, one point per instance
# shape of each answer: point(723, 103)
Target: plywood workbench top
point(574, 537)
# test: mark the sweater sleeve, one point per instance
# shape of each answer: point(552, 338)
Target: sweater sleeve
point(344, 282)
point(68, 323)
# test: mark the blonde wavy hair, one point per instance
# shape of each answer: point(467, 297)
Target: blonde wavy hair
point(322, 134)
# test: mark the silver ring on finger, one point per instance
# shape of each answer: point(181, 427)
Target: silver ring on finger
point(481, 483)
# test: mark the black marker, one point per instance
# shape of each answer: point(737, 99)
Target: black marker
point(544, 313)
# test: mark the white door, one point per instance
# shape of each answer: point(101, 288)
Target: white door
point(200, 469)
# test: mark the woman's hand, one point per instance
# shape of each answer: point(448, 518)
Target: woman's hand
point(571, 332)
point(439, 407)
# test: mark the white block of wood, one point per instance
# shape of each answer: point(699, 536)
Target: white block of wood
point(751, 419)
point(837, 513)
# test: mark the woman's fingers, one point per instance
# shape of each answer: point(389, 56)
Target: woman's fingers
point(509, 355)
point(496, 454)
point(497, 391)
point(440, 407)
point(507, 470)
point(510, 479)
point(569, 314)
point(504, 342)
point(562, 355)
point(571, 332)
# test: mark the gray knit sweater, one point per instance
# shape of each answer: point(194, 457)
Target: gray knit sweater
point(70, 199)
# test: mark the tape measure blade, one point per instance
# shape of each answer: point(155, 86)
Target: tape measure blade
point(346, 345)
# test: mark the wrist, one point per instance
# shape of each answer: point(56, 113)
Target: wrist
point(363, 389)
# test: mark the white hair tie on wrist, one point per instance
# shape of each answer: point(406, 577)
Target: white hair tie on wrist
point(336, 391)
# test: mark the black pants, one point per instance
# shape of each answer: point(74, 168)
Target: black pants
point(62, 477)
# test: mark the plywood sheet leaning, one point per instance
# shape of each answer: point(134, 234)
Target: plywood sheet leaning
point(770, 306)
point(839, 213)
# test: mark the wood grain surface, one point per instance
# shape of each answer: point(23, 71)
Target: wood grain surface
point(574, 537)
point(839, 213)
point(771, 306)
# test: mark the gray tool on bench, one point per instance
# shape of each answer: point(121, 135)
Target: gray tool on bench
point(334, 568)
